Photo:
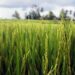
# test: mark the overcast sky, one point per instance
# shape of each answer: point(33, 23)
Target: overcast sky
point(7, 7)
point(25, 3)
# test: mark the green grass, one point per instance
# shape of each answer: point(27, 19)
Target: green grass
point(37, 47)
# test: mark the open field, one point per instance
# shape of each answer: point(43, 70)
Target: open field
point(37, 47)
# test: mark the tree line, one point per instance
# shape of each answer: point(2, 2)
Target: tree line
point(36, 15)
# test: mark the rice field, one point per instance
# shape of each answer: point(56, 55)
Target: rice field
point(37, 47)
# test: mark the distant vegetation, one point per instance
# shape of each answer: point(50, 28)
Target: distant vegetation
point(35, 14)
point(16, 15)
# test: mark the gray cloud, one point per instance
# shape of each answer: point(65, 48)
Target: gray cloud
point(47, 4)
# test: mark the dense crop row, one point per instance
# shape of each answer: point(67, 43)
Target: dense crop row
point(37, 48)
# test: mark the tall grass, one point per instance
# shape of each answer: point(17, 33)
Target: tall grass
point(37, 48)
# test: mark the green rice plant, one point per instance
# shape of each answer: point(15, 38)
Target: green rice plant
point(37, 47)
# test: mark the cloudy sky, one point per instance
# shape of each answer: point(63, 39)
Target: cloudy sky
point(7, 7)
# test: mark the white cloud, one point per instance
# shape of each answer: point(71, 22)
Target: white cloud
point(55, 5)
point(5, 2)
point(6, 13)
point(15, 3)
point(28, 2)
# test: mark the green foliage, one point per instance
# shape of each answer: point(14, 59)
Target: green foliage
point(37, 48)
point(63, 14)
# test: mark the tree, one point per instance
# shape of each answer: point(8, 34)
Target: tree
point(42, 9)
point(51, 15)
point(70, 12)
point(74, 14)
point(63, 14)
point(33, 15)
point(66, 12)
point(28, 16)
point(16, 15)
